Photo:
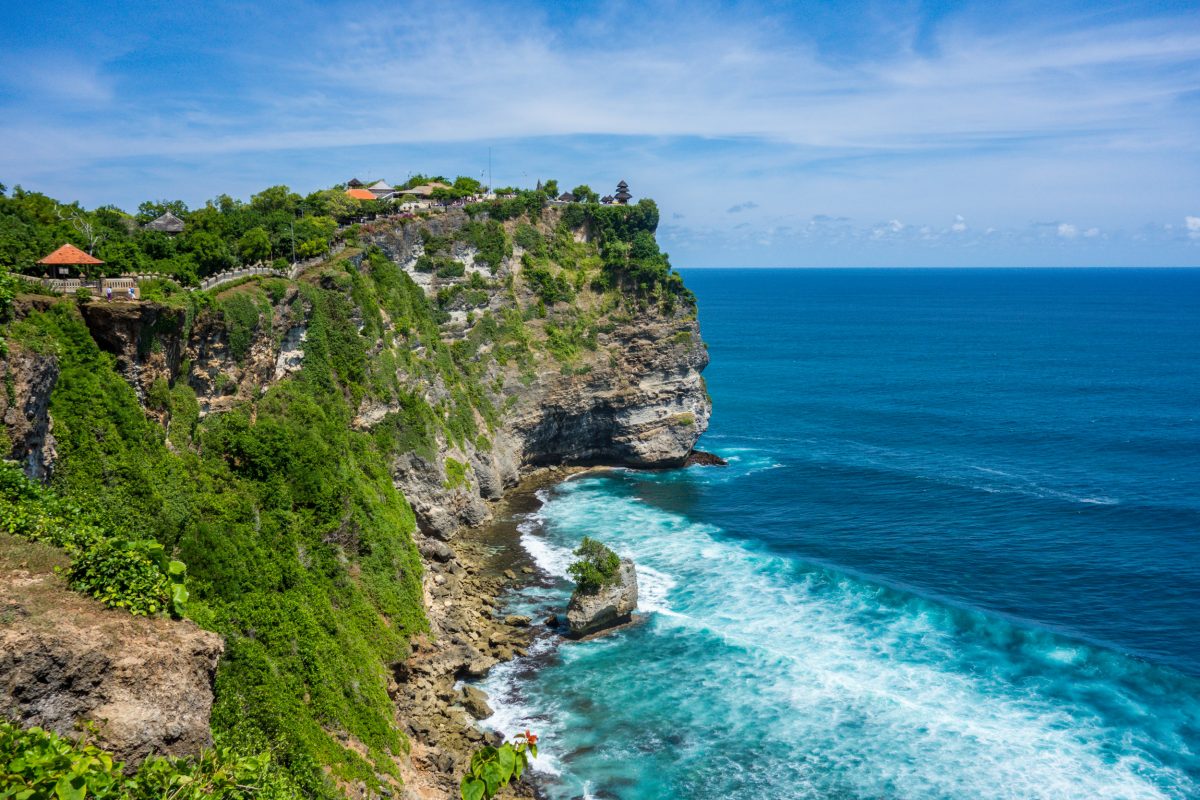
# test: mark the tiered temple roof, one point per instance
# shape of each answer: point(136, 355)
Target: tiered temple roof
point(622, 196)
point(167, 223)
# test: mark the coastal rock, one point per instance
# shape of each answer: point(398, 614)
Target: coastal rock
point(612, 605)
point(475, 701)
point(702, 459)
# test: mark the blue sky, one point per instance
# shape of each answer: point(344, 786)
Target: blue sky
point(771, 134)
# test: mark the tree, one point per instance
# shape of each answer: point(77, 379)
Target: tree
point(210, 252)
point(596, 566)
point(584, 194)
point(275, 198)
point(254, 246)
point(550, 188)
point(84, 225)
point(467, 186)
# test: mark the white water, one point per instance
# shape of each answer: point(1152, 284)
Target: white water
point(760, 677)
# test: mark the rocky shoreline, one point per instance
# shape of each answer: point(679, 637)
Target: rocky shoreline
point(465, 580)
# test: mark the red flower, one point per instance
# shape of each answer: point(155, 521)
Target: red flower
point(530, 737)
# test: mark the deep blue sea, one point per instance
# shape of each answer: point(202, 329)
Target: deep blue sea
point(956, 553)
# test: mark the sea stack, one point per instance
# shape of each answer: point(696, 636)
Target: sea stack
point(608, 607)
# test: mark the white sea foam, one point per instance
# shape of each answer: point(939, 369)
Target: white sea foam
point(849, 688)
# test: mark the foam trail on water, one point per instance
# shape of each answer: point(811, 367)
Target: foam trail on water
point(760, 676)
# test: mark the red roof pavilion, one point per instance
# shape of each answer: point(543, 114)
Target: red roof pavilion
point(360, 194)
point(71, 255)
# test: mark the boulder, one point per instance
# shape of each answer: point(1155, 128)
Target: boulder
point(146, 682)
point(612, 605)
point(475, 701)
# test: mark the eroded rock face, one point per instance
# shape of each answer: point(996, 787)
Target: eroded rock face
point(612, 605)
point(28, 380)
point(145, 338)
point(64, 658)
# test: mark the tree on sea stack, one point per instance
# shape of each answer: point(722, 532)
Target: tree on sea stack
point(606, 590)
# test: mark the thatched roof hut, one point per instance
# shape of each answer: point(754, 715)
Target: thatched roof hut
point(566, 197)
point(354, 183)
point(167, 223)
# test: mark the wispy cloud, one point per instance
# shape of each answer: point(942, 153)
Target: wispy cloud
point(983, 114)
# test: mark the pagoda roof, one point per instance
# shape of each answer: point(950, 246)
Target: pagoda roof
point(380, 186)
point(168, 223)
point(360, 194)
point(71, 255)
point(354, 183)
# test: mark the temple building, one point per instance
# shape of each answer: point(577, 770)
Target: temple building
point(622, 196)
point(168, 223)
point(381, 190)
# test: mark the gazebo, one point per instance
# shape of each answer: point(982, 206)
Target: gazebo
point(622, 196)
point(69, 256)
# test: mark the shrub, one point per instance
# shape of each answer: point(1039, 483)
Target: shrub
point(451, 269)
point(456, 474)
point(596, 567)
point(492, 768)
point(134, 575)
point(38, 764)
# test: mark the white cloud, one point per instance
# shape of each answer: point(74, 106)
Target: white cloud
point(1067, 231)
point(960, 224)
point(1091, 233)
point(1193, 227)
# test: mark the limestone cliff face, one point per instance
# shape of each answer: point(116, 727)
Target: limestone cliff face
point(29, 378)
point(144, 337)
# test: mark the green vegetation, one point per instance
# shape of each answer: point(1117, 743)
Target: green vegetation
point(40, 765)
point(596, 566)
point(299, 549)
point(492, 768)
point(456, 474)
point(132, 574)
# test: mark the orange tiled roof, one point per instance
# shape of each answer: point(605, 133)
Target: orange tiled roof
point(360, 194)
point(69, 254)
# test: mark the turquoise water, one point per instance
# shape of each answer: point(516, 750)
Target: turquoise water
point(956, 553)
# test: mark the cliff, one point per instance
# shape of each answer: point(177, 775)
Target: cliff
point(301, 445)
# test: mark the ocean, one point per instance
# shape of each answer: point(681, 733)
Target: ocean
point(956, 553)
